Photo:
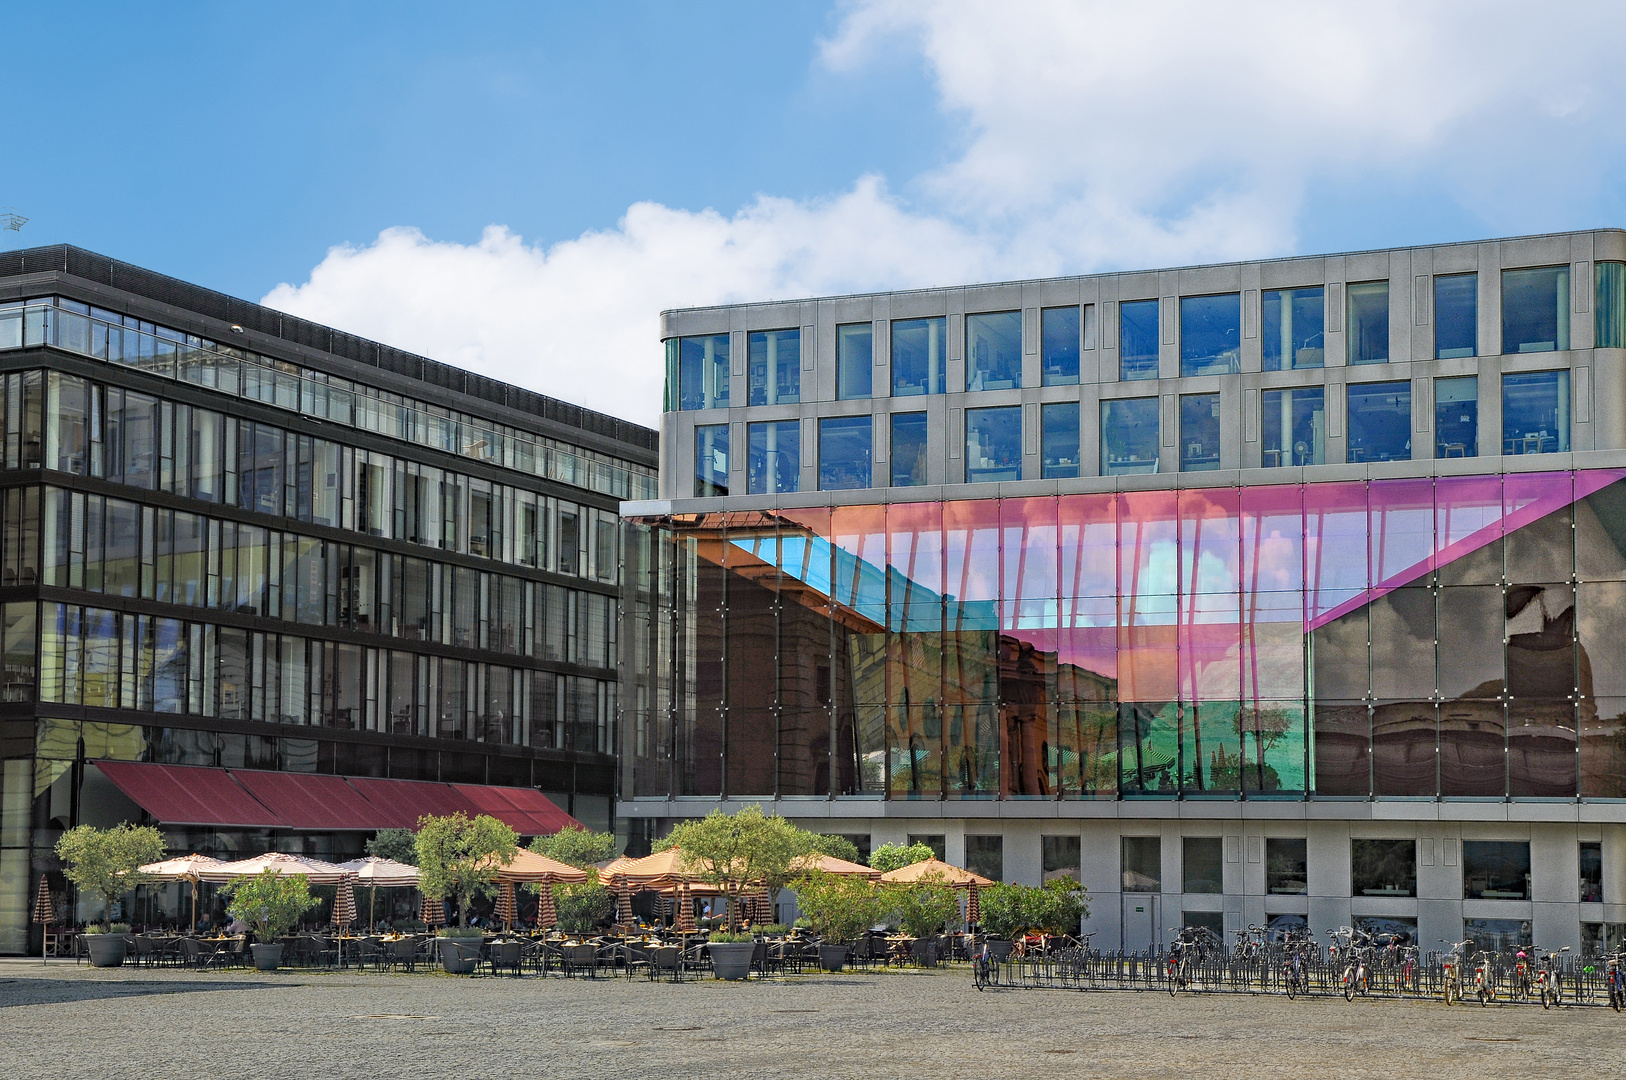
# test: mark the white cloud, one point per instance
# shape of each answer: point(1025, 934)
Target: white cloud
point(1099, 135)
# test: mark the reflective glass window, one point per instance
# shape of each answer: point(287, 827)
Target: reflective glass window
point(1343, 748)
point(774, 463)
point(1199, 432)
point(1379, 421)
point(1368, 322)
point(1059, 330)
point(1470, 660)
point(1591, 873)
point(774, 372)
point(1603, 747)
point(1295, 427)
point(1148, 746)
point(985, 855)
point(1496, 870)
point(844, 452)
point(1063, 856)
point(1383, 867)
point(1137, 339)
point(993, 444)
point(1541, 741)
point(1129, 441)
point(1456, 417)
point(1286, 866)
point(710, 460)
point(703, 372)
point(1456, 315)
point(1473, 749)
point(1403, 748)
point(1202, 864)
point(993, 351)
point(1143, 864)
point(1210, 334)
point(1059, 424)
point(1539, 630)
point(1536, 413)
point(855, 360)
point(1611, 305)
point(917, 356)
point(908, 450)
point(1403, 635)
point(1536, 309)
point(1292, 328)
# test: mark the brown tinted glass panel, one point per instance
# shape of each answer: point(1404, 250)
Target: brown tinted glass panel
point(1403, 759)
point(1601, 648)
point(1540, 640)
point(1339, 652)
point(1603, 748)
point(1473, 749)
point(915, 751)
point(1343, 748)
point(1541, 749)
point(1600, 535)
point(1403, 644)
point(751, 741)
point(1470, 657)
point(1542, 550)
point(1027, 765)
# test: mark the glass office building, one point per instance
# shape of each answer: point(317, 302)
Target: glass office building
point(1318, 626)
point(272, 587)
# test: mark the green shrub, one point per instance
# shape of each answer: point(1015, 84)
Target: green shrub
point(460, 932)
point(582, 907)
point(890, 857)
point(398, 844)
point(723, 937)
point(1056, 908)
point(271, 903)
point(838, 907)
point(581, 848)
point(924, 907)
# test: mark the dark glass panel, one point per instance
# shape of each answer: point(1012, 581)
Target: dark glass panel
point(845, 445)
point(1129, 436)
point(909, 441)
point(1603, 747)
point(774, 457)
point(1202, 864)
point(1138, 339)
point(1601, 610)
point(855, 360)
point(1470, 659)
point(1496, 870)
point(752, 738)
point(1456, 417)
point(1340, 657)
point(1295, 427)
point(1473, 749)
point(1060, 449)
point(1379, 421)
point(1199, 432)
point(710, 461)
point(1142, 864)
point(1403, 754)
point(703, 372)
point(1402, 637)
point(1543, 550)
point(1541, 749)
point(1027, 739)
point(1383, 867)
point(1343, 747)
point(1600, 534)
point(1540, 632)
point(993, 444)
point(1059, 352)
point(860, 750)
point(1286, 866)
point(1536, 413)
point(1536, 309)
point(1087, 748)
point(1061, 856)
point(1148, 748)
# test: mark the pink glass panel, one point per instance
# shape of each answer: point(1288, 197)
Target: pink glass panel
point(1029, 547)
point(859, 532)
point(1335, 568)
point(1147, 662)
point(1210, 656)
point(1272, 646)
point(1210, 541)
point(1148, 545)
point(971, 549)
point(1273, 538)
point(1401, 513)
point(914, 555)
point(1087, 651)
point(1467, 515)
point(1089, 544)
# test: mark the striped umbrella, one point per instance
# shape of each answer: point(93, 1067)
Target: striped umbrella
point(973, 906)
point(546, 915)
point(433, 912)
point(685, 909)
point(623, 896)
point(44, 913)
point(506, 909)
point(344, 905)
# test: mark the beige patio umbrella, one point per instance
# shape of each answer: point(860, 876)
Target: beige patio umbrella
point(832, 865)
point(546, 914)
point(955, 876)
point(44, 913)
point(379, 873)
point(527, 865)
point(507, 910)
point(185, 868)
point(315, 870)
point(344, 904)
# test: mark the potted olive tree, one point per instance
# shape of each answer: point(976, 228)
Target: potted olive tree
point(461, 856)
point(839, 908)
point(271, 904)
point(924, 909)
point(1058, 907)
point(104, 863)
point(1004, 915)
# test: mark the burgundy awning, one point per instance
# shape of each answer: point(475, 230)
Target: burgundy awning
point(190, 795)
point(525, 810)
point(312, 801)
point(403, 802)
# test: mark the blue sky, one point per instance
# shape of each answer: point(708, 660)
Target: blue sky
point(520, 188)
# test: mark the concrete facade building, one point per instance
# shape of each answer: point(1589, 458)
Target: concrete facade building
point(1268, 591)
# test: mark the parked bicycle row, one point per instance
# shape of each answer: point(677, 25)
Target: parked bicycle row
point(1353, 964)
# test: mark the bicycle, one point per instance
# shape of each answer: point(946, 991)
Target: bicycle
point(1612, 980)
point(1451, 970)
point(1549, 977)
point(1186, 953)
point(1485, 977)
point(984, 969)
point(1294, 978)
point(1355, 949)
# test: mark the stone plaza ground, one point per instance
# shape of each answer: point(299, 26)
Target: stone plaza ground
point(59, 1021)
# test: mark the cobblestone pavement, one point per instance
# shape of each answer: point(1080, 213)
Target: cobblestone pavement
point(59, 1021)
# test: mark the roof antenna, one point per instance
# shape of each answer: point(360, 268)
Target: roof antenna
point(11, 220)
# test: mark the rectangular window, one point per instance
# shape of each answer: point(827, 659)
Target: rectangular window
point(1496, 870)
point(702, 371)
point(1456, 417)
point(1611, 305)
point(1211, 334)
point(1059, 429)
point(1142, 864)
point(993, 351)
point(993, 444)
point(1292, 328)
point(1380, 421)
point(855, 360)
point(1202, 864)
point(1059, 356)
point(844, 452)
point(1536, 309)
point(1295, 427)
point(917, 356)
point(1383, 867)
point(1129, 436)
point(1536, 413)
point(1199, 432)
point(936, 841)
point(1368, 322)
point(985, 855)
point(1137, 339)
point(908, 449)
point(710, 461)
point(774, 462)
point(1286, 866)
point(1591, 873)
point(1456, 315)
point(1063, 857)
point(775, 371)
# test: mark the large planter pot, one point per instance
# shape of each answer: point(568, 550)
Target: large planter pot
point(732, 959)
point(106, 950)
point(267, 957)
point(459, 956)
point(832, 957)
point(1000, 951)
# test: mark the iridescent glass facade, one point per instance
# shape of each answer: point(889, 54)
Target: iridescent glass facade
point(1443, 637)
